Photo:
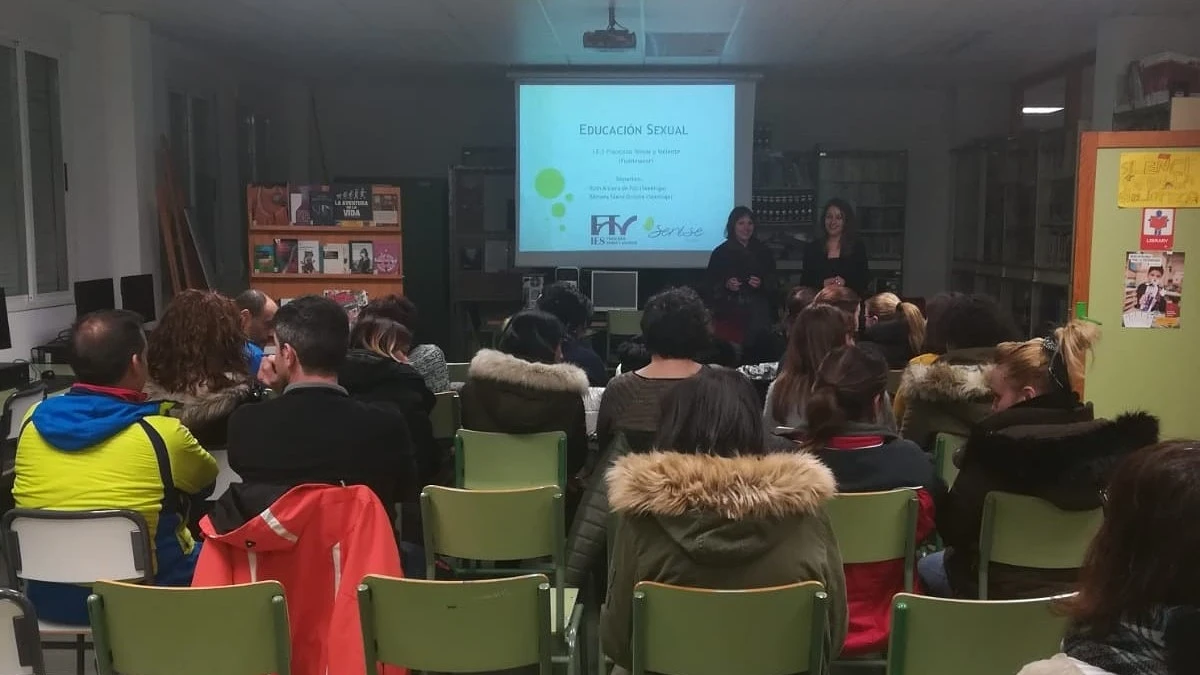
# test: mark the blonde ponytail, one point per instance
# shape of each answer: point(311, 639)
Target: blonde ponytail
point(1030, 363)
point(916, 325)
point(1077, 340)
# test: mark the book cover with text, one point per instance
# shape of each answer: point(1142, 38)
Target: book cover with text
point(385, 205)
point(387, 257)
point(352, 205)
point(264, 258)
point(301, 215)
point(285, 256)
point(309, 254)
point(335, 258)
point(320, 206)
point(362, 257)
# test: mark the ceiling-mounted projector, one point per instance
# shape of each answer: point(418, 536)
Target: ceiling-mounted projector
point(615, 36)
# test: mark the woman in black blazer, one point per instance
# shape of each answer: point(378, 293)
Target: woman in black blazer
point(837, 257)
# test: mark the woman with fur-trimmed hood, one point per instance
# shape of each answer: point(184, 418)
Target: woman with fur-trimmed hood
point(708, 509)
point(1041, 441)
point(949, 393)
point(196, 358)
point(524, 387)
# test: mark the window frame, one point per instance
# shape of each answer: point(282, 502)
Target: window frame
point(32, 299)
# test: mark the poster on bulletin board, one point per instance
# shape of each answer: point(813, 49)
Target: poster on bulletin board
point(1158, 229)
point(1153, 289)
point(1159, 180)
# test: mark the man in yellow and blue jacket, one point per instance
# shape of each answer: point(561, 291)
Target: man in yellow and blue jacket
point(102, 445)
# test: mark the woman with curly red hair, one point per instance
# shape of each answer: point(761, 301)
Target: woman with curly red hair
point(197, 358)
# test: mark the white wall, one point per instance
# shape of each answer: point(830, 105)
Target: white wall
point(1124, 39)
point(103, 216)
point(419, 126)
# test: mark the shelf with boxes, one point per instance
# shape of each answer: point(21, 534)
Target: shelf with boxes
point(344, 241)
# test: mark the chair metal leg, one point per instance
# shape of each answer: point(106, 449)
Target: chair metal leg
point(80, 655)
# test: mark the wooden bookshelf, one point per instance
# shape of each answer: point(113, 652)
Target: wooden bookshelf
point(287, 285)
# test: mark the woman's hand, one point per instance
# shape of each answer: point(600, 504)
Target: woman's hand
point(755, 282)
point(733, 284)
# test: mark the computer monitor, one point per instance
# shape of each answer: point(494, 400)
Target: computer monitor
point(137, 295)
point(5, 333)
point(94, 295)
point(614, 290)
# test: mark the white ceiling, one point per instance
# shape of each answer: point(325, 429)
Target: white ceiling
point(963, 38)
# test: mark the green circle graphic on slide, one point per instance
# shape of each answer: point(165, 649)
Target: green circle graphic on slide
point(549, 183)
point(569, 197)
point(558, 210)
point(649, 224)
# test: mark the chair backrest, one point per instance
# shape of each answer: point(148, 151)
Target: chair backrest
point(935, 636)
point(491, 461)
point(232, 630)
point(1030, 532)
point(117, 542)
point(764, 631)
point(20, 642)
point(456, 627)
point(458, 371)
point(944, 447)
point(225, 475)
point(624, 322)
point(877, 526)
point(446, 416)
point(18, 404)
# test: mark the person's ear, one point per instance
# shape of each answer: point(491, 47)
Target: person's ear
point(877, 405)
point(1028, 393)
point(245, 316)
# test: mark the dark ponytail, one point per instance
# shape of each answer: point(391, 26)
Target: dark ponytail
point(844, 390)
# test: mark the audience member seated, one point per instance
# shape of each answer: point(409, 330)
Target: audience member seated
point(102, 445)
point(574, 310)
point(633, 354)
point(313, 432)
point(765, 366)
point(1039, 441)
point(933, 345)
point(676, 328)
point(709, 509)
point(256, 311)
point(844, 299)
point(819, 330)
point(197, 360)
point(951, 393)
point(426, 358)
point(525, 388)
point(896, 328)
point(1137, 611)
point(377, 370)
point(843, 408)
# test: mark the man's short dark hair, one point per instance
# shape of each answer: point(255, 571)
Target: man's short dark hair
point(317, 329)
point(252, 300)
point(676, 324)
point(1157, 268)
point(567, 304)
point(103, 343)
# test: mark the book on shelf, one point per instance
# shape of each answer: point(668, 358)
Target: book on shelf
point(387, 257)
point(264, 258)
point(300, 213)
point(385, 205)
point(335, 258)
point(362, 257)
point(286, 261)
point(352, 205)
point(350, 300)
point(267, 205)
point(309, 252)
point(320, 206)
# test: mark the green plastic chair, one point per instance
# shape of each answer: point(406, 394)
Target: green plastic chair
point(458, 371)
point(495, 525)
point(1029, 532)
point(446, 415)
point(491, 461)
point(621, 323)
point(456, 626)
point(762, 631)
point(232, 630)
point(935, 636)
point(944, 447)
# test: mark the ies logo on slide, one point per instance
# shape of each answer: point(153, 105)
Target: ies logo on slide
point(611, 229)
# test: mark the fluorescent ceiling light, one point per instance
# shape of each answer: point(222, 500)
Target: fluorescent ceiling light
point(1041, 110)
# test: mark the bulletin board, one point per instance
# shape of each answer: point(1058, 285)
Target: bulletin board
point(1149, 355)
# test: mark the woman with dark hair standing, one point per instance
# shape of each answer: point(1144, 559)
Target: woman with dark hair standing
point(525, 388)
point(847, 396)
point(836, 257)
point(1137, 610)
point(710, 509)
point(741, 273)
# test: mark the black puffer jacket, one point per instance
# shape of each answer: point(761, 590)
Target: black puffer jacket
point(1049, 447)
point(891, 338)
point(372, 378)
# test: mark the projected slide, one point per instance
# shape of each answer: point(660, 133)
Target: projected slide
point(624, 169)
